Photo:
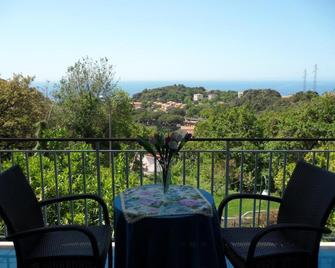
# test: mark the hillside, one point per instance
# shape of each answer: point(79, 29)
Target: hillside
point(178, 93)
point(181, 93)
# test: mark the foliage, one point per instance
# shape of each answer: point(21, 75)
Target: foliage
point(194, 110)
point(314, 118)
point(21, 107)
point(89, 102)
point(147, 117)
point(73, 170)
point(259, 99)
point(93, 77)
point(120, 108)
point(222, 121)
point(88, 94)
point(167, 121)
point(177, 92)
point(302, 96)
point(224, 96)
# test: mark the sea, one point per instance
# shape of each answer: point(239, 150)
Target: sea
point(285, 88)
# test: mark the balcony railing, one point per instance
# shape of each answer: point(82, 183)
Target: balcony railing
point(222, 166)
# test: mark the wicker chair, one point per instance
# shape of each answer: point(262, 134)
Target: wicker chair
point(294, 241)
point(38, 245)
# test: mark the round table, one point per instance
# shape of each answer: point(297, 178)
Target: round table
point(168, 241)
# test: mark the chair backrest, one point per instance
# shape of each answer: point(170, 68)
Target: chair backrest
point(308, 199)
point(18, 204)
point(309, 196)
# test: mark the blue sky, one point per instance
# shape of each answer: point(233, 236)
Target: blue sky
point(171, 39)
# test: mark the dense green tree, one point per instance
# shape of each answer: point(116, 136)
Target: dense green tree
point(178, 93)
point(88, 95)
point(303, 96)
point(177, 111)
point(170, 121)
point(147, 117)
point(224, 96)
point(21, 107)
point(222, 121)
point(312, 118)
point(259, 99)
point(120, 108)
point(193, 110)
point(166, 120)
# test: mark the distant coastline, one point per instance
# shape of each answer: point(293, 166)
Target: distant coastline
point(283, 87)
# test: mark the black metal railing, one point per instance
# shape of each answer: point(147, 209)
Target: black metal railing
point(60, 166)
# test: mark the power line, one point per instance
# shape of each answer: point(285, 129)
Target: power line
point(305, 78)
point(315, 76)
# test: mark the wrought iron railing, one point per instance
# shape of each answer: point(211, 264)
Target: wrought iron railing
point(222, 166)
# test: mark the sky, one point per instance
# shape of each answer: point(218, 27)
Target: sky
point(170, 39)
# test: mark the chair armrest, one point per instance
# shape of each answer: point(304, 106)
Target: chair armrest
point(65, 228)
point(78, 197)
point(245, 196)
point(282, 226)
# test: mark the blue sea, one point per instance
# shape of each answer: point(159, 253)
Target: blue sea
point(283, 87)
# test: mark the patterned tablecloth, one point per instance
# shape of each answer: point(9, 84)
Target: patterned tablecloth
point(149, 201)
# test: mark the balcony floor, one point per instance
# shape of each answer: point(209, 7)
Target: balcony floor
point(326, 256)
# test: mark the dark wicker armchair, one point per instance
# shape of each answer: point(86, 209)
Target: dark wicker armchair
point(294, 241)
point(37, 245)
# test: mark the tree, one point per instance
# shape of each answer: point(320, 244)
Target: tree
point(224, 96)
point(312, 118)
point(231, 122)
point(303, 96)
point(120, 108)
point(260, 99)
point(194, 110)
point(88, 94)
point(147, 117)
point(170, 121)
point(221, 121)
point(178, 93)
point(21, 107)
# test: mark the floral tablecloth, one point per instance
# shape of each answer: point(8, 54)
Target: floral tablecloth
point(149, 201)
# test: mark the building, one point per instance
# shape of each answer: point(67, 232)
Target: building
point(240, 94)
point(191, 121)
point(148, 165)
point(212, 96)
point(286, 97)
point(198, 97)
point(188, 128)
point(189, 125)
point(137, 105)
point(165, 106)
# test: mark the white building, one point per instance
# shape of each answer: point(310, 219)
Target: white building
point(198, 97)
point(148, 165)
point(240, 94)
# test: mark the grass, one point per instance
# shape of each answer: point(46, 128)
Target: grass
point(247, 205)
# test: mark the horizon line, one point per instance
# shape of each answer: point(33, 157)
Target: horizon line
point(202, 80)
